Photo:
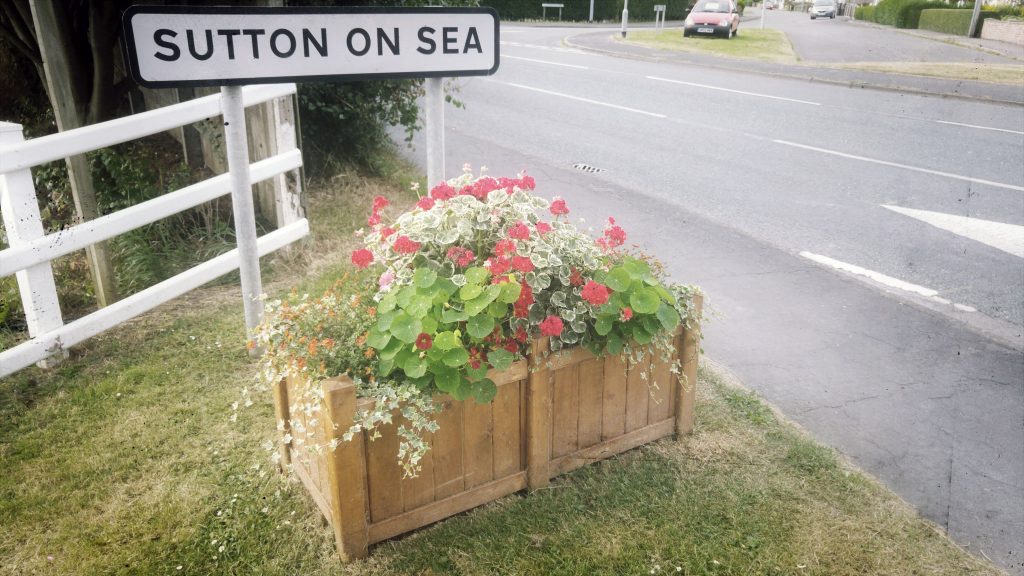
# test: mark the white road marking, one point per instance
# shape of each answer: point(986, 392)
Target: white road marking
point(540, 47)
point(545, 62)
point(759, 95)
point(903, 166)
point(979, 127)
point(580, 99)
point(1006, 237)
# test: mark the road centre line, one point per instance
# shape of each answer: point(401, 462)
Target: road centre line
point(903, 166)
point(978, 127)
point(546, 62)
point(759, 95)
point(580, 99)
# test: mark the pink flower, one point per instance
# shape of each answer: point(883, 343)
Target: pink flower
point(576, 277)
point(498, 265)
point(558, 207)
point(426, 203)
point(424, 341)
point(614, 236)
point(379, 202)
point(403, 245)
point(386, 231)
point(373, 219)
point(362, 258)
point(519, 231)
point(551, 326)
point(522, 264)
point(386, 279)
point(521, 309)
point(595, 293)
point(626, 314)
point(527, 182)
point(442, 192)
point(462, 257)
point(504, 247)
point(542, 228)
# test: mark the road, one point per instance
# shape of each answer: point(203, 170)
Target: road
point(767, 192)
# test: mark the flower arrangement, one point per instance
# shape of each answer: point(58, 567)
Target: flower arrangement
point(461, 283)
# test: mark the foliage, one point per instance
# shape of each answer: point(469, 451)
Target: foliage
point(949, 21)
point(909, 15)
point(604, 10)
point(864, 13)
point(467, 280)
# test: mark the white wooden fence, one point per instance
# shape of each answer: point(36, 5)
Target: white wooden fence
point(31, 251)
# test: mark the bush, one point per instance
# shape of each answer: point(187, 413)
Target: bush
point(909, 15)
point(950, 21)
point(864, 13)
point(604, 10)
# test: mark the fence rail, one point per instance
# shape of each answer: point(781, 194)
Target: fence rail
point(31, 250)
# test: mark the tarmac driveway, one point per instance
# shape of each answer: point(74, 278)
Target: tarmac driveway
point(843, 40)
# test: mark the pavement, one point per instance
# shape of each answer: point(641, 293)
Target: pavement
point(819, 71)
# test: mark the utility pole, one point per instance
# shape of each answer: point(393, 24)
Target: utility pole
point(625, 17)
point(973, 29)
point(591, 19)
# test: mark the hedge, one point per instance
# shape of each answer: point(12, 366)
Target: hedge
point(950, 21)
point(579, 10)
point(909, 15)
point(864, 13)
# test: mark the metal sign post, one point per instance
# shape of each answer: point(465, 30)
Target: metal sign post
point(435, 131)
point(625, 17)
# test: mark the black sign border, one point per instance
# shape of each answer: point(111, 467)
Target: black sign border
point(128, 43)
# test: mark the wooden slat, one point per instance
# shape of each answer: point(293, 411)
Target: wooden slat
point(419, 491)
point(565, 400)
point(447, 448)
point(384, 474)
point(569, 357)
point(347, 470)
point(314, 492)
point(516, 371)
point(281, 414)
point(688, 344)
point(448, 507)
point(507, 431)
point(478, 443)
point(637, 394)
point(613, 446)
point(658, 407)
point(538, 418)
point(591, 379)
point(613, 421)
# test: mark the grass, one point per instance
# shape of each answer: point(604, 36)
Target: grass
point(125, 461)
point(1012, 74)
point(750, 43)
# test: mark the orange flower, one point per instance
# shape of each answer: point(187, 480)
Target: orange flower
point(328, 343)
point(361, 340)
point(369, 353)
point(312, 346)
point(372, 312)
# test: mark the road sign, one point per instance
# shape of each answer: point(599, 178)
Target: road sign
point(170, 46)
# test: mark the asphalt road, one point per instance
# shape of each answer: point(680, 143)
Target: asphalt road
point(758, 188)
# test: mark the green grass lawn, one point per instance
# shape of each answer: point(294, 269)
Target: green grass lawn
point(750, 43)
point(125, 461)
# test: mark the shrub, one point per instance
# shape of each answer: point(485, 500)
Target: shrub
point(864, 13)
point(604, 10)
point(909, 14)
point(949, 21)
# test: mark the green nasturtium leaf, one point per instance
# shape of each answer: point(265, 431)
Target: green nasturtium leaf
point(615, 343)
point(477, 275)
point(385, 366)
point(470, 291)
point(384, 320)
point(483, 391)
point(480, 326)
point(406, 328)
point(644, 301)
point(414, 366)
point(637, 269)
point(603, 325)
point(429, 324)
point(651, 324)
point(450, 315)
point(618, 279)
point(387, 303)
point(642, 337)
point(510, 292)
point(447, 341)
point(377, 339)
point(455, 357)
point(446, 379)
point(478, 304)
point(446, 286)
point(419, 305)
point(404, 295)
point(462, 390)
point(497, 309)
point(668, 316)
point(500, 359)
point(424, 277)
point(392, 348)
point(475, 374)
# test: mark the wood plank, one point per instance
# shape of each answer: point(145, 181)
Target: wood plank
point(613, 419)
point(508, 433)
point(565, 401)
point(658, 407)
point(570, 357)
point(419, 491)
point(347, 470)
point(449, 478)
point(638, 394)
point(283, 418)
point(517, 371)
point(477, 443)
point(384, 474)
point(591, 379)
point(611, 447)
point(538, 418)
point(445, 508)
point(318, 497)
point(689, 354)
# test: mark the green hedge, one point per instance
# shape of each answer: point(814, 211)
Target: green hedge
point(951, 21)
point(579, 10)
point(864, 13)
point(909, 15)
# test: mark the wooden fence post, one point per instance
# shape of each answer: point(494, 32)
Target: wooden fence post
point(23, 223)
point(688, 345)
point(346, 467)
point(538, 418)
point(284, 420)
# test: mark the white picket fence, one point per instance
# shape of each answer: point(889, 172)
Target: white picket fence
point(31, 251)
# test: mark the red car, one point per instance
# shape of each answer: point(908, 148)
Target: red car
point(713, 18)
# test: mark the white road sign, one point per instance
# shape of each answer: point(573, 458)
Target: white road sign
point(219, 46)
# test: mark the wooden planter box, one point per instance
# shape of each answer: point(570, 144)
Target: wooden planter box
point(568, 410)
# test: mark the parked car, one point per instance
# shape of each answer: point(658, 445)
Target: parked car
point(823, 9)
point(769, 5)
point(713, 18)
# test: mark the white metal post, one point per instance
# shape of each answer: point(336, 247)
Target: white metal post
point(24, 224)
point(435, 131)
point(972, 30)
point(242, 205)
point(763, 10)
point(591, 18)
point(625, 17)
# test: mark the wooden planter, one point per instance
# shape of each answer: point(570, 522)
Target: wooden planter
point(547, 419)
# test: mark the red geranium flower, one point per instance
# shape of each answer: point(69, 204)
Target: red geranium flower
point(558, 207)
point(424, 341)
point(462, 257)
point(576, 277)
point(522, 264)
point(403, 245)
point(442, 192)
point(542, 228)
point(386, 231)
point(426, 203)
point(551, 326)
point(519, 231)
point(379, 202)
point(521, 309)
point(527, 183)
point(373, 219)
point(626, 314)
point(595, 293)
point(362, 258)
point(499, 265)
point(504, 247)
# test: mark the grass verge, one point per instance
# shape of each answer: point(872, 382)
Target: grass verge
point(1012, 74)
point(126, 461)
point(750, 43)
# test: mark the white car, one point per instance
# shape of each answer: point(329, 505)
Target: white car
point(823, 9)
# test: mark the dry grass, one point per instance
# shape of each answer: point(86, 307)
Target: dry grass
point(1012, 74)
point(749, 43)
